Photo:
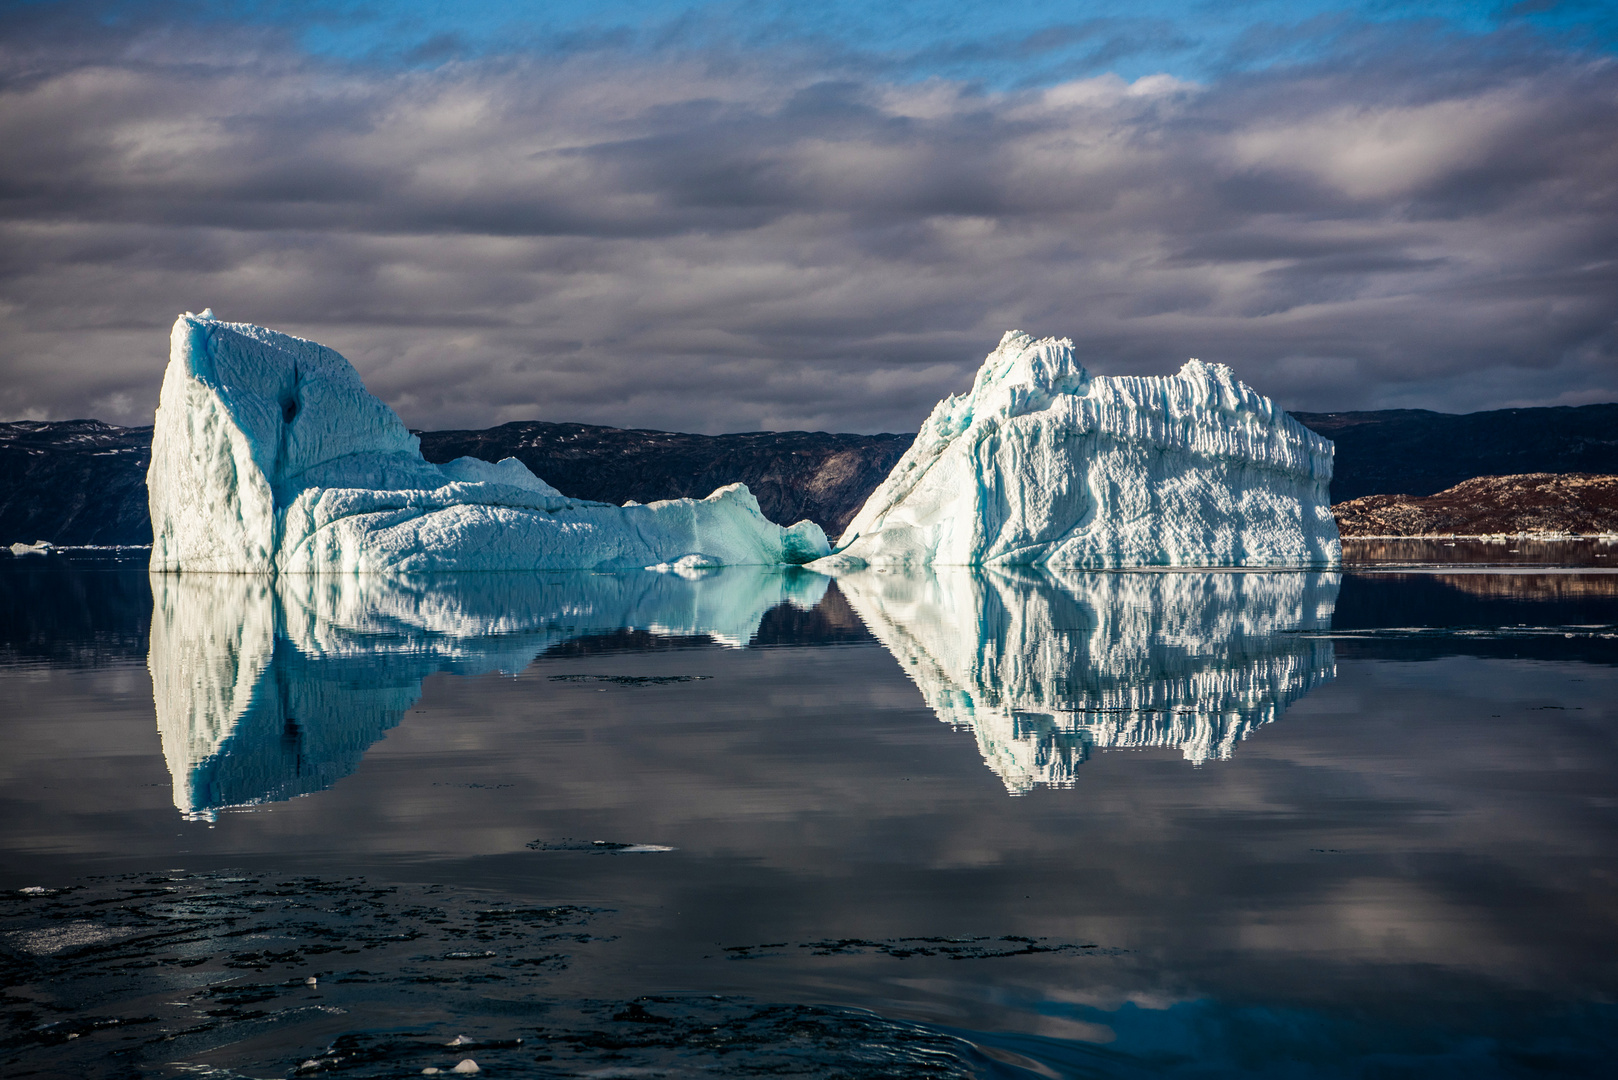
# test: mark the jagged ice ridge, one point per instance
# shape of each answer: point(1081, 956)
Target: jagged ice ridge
point(1041, 464)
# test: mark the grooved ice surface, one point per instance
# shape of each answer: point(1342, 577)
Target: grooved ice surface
point(267, 688)
point(1041, 464)
point(1043, 666)
point(269, 455)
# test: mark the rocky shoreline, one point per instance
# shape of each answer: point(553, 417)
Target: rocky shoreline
point(1530, 504)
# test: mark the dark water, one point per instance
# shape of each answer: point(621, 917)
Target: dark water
point(761, 823)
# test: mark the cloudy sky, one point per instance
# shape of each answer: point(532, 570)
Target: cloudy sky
point(735, 216)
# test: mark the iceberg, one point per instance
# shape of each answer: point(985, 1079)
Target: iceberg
point(1042, 464)
point(266, 688)
point(269, 456)
point(1044, 667)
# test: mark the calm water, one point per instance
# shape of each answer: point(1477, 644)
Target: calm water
point(763, 823)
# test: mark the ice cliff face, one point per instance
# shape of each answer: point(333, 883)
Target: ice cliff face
point(1039, 464)
point(269, 455)
point(267, 688)
point(1045, 666)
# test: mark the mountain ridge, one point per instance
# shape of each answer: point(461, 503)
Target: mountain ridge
point(78, 482)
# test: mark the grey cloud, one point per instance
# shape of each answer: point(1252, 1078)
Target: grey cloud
point(663, 242)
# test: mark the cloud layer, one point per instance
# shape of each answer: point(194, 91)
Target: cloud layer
point(715, 244)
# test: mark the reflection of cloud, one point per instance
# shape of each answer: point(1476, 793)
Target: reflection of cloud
point(1042, 667)
point(266, 689)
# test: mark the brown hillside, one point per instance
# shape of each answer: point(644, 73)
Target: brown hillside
point(1577, 503)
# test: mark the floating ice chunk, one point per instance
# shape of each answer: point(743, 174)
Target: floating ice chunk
point(270, 456)
point(467, 1065)
point(38, 547)
point(1041, 464)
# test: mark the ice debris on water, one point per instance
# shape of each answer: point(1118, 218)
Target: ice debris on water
point(38, 547)
point(607, 847)
point(1042, 464)
point(269, 455)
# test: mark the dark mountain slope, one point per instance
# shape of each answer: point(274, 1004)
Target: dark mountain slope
point(1416, 452)
point(794, 474)
point(74, 482)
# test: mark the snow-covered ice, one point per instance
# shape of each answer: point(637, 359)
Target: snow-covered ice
point(1043, 666)
point(1041, 464)
point(270, 687)
point(270, 456)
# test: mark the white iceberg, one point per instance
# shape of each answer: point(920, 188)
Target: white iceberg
point(1040, 464)
point(1045, 666)
point(270, 456)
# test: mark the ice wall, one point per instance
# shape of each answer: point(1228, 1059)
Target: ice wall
point(269, 455)
point(1041, 464)
point(1045, 666)
point(267, 688)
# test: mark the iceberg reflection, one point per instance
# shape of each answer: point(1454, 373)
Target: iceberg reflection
point(1044, 665)
point(271, 688)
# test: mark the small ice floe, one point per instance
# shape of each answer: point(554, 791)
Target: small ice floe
point(460, 1040)
point(311, 981)
point(467, 1065)
point(35, 890)
point(38, 547)
point(691, 567)
point(608, 847)
point(631, 680)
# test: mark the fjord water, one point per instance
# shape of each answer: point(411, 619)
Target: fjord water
point(1185, 824)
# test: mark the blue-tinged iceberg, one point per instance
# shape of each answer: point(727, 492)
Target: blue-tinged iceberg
point(1041, 464)
point(270, 456)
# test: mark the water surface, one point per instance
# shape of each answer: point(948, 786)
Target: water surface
point(760, 822)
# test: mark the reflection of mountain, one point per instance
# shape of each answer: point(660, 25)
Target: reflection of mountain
point(1043, 666)
point(1537, 588)
point(1504, 552)
point(267, 689)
